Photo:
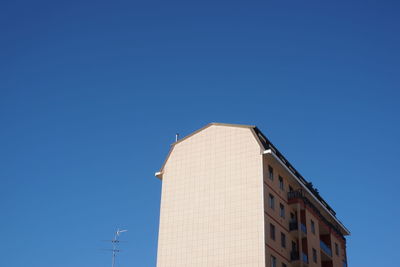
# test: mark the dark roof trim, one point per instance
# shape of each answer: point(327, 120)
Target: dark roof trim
point(268, 145)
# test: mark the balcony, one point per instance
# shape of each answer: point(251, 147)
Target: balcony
point(324, 247)
point(294, 226)
point(295, 194)
point(299, 195)
point(295, 258)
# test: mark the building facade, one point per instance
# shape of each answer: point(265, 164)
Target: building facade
point(230, 198)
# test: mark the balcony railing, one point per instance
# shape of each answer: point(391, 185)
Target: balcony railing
point(295, 194)
point(294, 225)
point(295, 256)
point(325, 248)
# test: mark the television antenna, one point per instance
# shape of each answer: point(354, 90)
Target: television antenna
point(115, 242)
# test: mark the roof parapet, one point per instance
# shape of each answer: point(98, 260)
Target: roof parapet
point(307, 189)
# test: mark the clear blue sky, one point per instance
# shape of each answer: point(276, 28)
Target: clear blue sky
point(93, 92)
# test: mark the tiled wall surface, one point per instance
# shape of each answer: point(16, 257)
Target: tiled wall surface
point(212, 210)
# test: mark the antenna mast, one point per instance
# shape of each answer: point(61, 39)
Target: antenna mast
point(115, 243)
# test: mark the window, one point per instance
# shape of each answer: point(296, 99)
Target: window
point(271, 172)
point(272, 231)
point(337, 249)
point(284, 265)
point(273, 261)
point(283, 240)
point(280, 182)
point(290, 189)
point(312, 227)
point(271, 201)
point(282, 210)
point(314, 255)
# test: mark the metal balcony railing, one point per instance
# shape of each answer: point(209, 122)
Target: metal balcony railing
point(295, 194)
point(295, 256)
point(294, 225)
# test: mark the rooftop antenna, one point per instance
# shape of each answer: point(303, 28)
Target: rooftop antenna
point(176, 137)
point(115, 241)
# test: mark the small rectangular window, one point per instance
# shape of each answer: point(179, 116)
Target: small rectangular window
point(270, 172)
point(312, 227)
point(284, 265)
point(282, 210)
point(314, 255)
point(271, 201)
point(337, 249)
point(272, 231)
point(283, 240)
point(273, 261)
point(290, 189)
point(281, 183)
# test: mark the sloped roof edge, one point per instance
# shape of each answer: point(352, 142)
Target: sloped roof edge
point(159, 173)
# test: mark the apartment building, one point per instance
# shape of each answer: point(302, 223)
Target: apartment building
point(230, 198)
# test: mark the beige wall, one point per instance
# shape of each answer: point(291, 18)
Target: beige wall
point(212, 201)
